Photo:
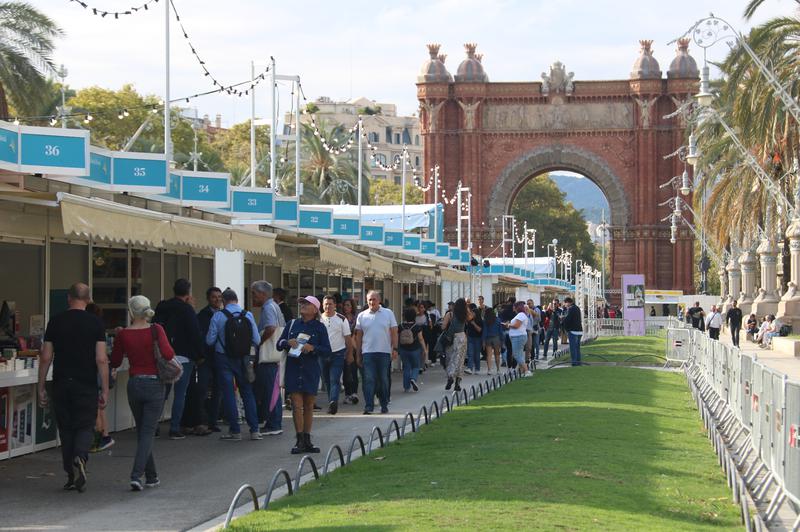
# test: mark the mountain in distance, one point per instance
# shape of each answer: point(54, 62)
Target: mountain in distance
point(583, 194)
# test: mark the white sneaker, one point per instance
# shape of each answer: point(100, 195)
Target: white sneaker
point(527, 374)
point(468, 371)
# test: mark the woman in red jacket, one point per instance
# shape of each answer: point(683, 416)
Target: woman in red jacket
point(145, 390)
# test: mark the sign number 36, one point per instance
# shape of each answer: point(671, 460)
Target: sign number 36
point(52, 150)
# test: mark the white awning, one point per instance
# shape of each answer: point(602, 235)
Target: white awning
point(108, 220)
point(456, 276)
point(341, 256)
point(380, 264)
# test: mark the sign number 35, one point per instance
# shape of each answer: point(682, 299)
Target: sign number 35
point(52, 150)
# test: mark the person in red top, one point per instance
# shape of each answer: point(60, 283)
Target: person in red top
point(145, 391)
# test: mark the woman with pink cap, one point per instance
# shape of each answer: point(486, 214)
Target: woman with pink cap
point(305, 339)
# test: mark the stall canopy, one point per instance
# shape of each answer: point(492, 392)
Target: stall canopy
point(391, 216)
point(340, 256)
point(118, 222)
point(379, 264)
point(449, 274)
point(413, 271)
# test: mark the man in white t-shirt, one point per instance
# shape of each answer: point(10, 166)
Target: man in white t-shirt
point(341, 350)
point(376, 340)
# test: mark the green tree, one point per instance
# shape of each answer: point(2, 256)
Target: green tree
point(387, 192)
point(233, 145)
point(25, 56)
point(543, 206)
point(118, 115)
point(327, 177)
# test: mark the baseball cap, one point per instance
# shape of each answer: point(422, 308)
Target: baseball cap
point(309, 299)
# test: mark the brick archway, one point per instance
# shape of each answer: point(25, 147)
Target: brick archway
point(558, 157)
point(494, 136)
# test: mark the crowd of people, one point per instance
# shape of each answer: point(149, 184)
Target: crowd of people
point(204, 359)
point(759, 331)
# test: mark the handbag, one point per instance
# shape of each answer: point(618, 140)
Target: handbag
point(268, 352)
point(169, 371)
point(445, 340)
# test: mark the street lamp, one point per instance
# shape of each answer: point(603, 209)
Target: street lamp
point(62, 74)
point(693, 154)
point(704, 97)
point(554, 245)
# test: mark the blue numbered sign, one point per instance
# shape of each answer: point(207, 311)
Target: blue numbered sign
point(251, 202)
point(345, 227)
point(316, 219)
point(49, 150)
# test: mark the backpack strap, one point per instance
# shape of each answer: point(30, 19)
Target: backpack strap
point(227, 313)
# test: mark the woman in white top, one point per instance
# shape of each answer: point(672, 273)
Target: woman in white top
point(518, 334)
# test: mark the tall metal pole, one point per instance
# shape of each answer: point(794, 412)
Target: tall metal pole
point(167, 124)
point(273, 126)
point(360, 168)
point(253, 162)
point(403, 186)
point(458, 217)
point(298, 186)
point(436, 203)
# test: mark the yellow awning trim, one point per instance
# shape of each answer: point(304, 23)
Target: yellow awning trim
point(122, 223)
point(379, 264)
point(341, 256)
point(457, 276)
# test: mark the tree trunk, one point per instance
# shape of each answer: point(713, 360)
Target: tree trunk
point(3, 104)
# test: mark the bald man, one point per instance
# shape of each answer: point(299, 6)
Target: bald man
point(75, 342)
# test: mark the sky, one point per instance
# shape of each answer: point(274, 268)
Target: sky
point(345, 49)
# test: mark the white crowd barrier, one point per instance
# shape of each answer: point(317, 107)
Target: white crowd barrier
point(755, 413)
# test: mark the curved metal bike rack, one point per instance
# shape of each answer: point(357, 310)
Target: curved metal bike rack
point(306, 458)
point(372, 438)
point(325, 467)
point(396, 426)
point(408, 416)
point(245, 488)
point(360, 441)
point(446, 404)
point(422, 410)
point(274, 481)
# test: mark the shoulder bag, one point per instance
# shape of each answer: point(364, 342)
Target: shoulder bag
point(268, 352)
point(169, 371)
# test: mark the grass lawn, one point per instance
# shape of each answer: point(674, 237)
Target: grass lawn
point(603, 448)
point(621, 348)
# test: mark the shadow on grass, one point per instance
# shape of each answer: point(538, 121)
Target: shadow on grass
point(587, 448)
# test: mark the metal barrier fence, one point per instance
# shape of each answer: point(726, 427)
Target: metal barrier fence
point(376, 437)
point(620, 326)
point(753, 416)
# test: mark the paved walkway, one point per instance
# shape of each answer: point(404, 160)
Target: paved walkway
point(781, 362)
point(199, 475)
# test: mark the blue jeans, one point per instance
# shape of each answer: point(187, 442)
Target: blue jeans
point(146, 399)
point(535, 342)
point(410, 358)
point(332, 367)
point(551, 333)
point(229, 369)
point(474, 345)
point(575, 348)
point(205, 379)
point(179, 398)
point(266, 374)
point(518, 348)
point(376, 379)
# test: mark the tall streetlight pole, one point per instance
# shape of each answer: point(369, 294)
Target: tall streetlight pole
point(62, 74)
point(167, 117)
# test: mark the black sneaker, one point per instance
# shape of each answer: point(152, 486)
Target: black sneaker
point(152, 483)
point(214, 428)
point(354, 399)
point(449, 383)
point(80, 481)
point(176, 435)
point(367, 412)
point(317, 407)
point(136, 485)
point(384, 410)
point(333, 407)
point(70, 485)
point(414, 385)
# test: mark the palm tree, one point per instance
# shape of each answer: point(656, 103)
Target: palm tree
point(25, 56)
point(331, 178)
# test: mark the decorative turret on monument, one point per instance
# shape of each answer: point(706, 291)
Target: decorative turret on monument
point(433, 70)
point(684, 65)
point(646, 66)
point(471, 69)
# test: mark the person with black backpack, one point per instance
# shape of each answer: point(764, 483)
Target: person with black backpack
point(410, 346)
point(232, 332)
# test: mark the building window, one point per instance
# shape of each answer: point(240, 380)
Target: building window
point(380, 158)
point(397, 138)
point(406, 136)
point(416, 140)
point(416, 160)
point(373, 137)
point(397, 180)
point(388, 135)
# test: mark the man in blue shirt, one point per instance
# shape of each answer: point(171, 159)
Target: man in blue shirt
point(267, 385)
point(229, 368)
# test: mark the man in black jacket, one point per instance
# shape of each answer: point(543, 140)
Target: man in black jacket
point(200, 413)
point(279, 296)
point(572, 324)
point(734, 320)
point(179, 320)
